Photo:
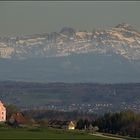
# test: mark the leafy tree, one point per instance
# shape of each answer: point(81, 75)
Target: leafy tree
point(80, 124)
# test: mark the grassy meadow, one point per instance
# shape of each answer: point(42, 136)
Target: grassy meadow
point(44, 133)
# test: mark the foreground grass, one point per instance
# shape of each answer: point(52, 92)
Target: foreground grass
point(46, 133)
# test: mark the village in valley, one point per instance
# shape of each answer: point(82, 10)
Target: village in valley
point(15, 118)
point(67, 108)
point(68, 123)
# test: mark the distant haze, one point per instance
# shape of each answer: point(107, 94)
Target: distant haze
point(20, 18)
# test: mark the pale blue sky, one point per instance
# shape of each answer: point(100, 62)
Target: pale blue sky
point(17, 18)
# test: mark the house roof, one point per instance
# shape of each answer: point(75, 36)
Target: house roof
point(71, 124)
point(18, 117)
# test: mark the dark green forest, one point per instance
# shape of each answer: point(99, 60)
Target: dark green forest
point(126, 123)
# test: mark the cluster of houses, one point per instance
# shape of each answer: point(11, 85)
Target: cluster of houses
point(19, 118)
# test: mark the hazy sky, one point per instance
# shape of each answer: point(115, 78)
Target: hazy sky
point(18, 18)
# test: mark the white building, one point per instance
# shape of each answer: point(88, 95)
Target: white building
point(2, 112)
point(71, 125)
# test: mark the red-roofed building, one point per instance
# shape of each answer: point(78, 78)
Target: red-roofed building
point(17, 118)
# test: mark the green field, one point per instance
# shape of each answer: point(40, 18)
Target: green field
point(46, 133)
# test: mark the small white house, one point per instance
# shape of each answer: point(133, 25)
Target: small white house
point(71, 125)
point(2, 112)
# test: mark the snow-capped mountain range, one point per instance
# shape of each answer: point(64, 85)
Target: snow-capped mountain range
point(104, 56)
point(122, 40)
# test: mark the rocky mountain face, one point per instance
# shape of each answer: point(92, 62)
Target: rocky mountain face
point(103, 55)
point(122, 40)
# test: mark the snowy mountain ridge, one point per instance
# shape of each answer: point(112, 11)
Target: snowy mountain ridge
point(123, 40)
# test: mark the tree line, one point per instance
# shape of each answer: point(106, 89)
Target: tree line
point(123, 123)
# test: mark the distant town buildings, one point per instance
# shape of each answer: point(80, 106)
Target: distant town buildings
point(2, 112)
